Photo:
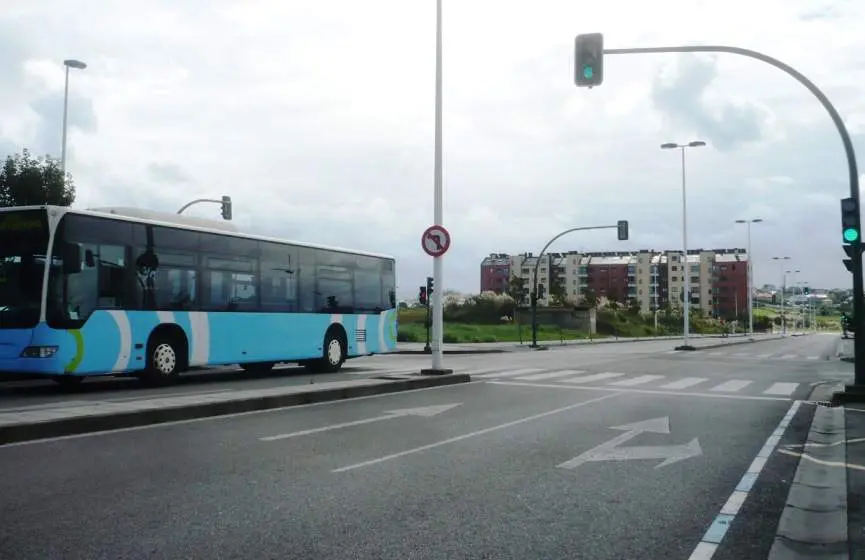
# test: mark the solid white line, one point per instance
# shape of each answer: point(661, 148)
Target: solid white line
point(229, 416)
point(332, 427)
point(731, 386)
point(684, 383)
point(813, 358)
point(636, 380)
point(471, 434)
point(593, 378)
point(550, 375)
point(787, 357)
point(714, 535)
point(781, 389)
point(762, 356)
point(507, 373)
point(639, 391)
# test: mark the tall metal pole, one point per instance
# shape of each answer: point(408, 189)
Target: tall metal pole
point(438, 264)
point(65, 113)
point(783, 306)
point(685, 264)
point(750, 270)
point(852, 172)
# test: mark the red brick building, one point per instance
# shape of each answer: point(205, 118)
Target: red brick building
point(495, 273)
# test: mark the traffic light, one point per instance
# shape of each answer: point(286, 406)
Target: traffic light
point(848, 262)
point(422, 293)
point(226, 207)
point(806, 290)
point(850, 220)
point(623, 230)
point(589, 60)
point(430, 285)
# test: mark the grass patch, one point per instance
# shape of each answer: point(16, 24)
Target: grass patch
point(462, 333)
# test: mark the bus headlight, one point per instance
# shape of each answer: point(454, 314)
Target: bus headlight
point(39, 352)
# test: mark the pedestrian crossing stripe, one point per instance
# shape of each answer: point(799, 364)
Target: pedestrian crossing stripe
point(573, 377)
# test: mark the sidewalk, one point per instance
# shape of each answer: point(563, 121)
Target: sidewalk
point(97, 416)
point(697, 340)
point(824, 516)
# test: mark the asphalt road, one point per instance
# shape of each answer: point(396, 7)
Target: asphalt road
point(25, 395)
point(490, 471)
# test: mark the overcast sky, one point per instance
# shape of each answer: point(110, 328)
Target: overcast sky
point(317, 118)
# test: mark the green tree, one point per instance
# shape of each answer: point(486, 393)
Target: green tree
point(634, 307)
point(558, 293)
point(590, 299)
point(29, 181)
point(516, 285)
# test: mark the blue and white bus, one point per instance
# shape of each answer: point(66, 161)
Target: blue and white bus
point(131, 292)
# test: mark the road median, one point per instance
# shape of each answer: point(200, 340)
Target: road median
point(28, 425)
point(502, 347)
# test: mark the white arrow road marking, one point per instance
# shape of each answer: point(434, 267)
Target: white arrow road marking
point(424, 411)
point(610, 450)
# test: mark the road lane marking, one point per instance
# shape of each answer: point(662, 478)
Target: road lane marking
point(510, 373)
point(234, 415)
point(787, 357)
point(421, 411)
point(642, 379)
point(684, 383)
point(550, 375)
point(472, 434)
point(593, 378)
point(781, 389)
point(718, 529)
point(731, 386)
point(813, 358)
point(638, 391)
point(762, 356)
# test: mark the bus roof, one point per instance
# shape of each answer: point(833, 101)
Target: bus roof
point(200, 227)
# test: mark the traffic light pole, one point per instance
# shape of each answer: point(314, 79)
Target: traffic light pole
point(534, 291)
point(858, 291)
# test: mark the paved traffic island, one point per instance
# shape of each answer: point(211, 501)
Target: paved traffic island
point(47, 422)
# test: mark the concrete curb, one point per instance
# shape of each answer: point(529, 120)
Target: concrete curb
point(584, 342)
point(738, 342)
point(112, 420)
point(814, 521)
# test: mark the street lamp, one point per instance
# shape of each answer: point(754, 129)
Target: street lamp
point(783, 289)
point(78, 65)
point(750, 272)
point(686, 265)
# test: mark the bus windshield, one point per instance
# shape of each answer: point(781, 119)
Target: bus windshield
point(23, 243)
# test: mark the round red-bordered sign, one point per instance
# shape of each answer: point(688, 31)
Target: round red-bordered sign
point(435, 241)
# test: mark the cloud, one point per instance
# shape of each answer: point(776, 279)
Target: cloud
point(725, 123)
point(317, 118)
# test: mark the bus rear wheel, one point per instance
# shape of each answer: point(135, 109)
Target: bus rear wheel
point(334, 355)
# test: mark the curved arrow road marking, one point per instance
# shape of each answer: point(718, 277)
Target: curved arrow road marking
point(424, 411)
point(610, 450)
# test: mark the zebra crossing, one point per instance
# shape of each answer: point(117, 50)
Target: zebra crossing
point(631, 380)
point(780, 356)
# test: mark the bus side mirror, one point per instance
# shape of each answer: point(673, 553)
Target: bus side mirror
point(71, 258)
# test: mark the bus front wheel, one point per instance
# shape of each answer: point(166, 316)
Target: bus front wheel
point(163, 363)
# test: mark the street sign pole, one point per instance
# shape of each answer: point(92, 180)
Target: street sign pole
point(858, 388)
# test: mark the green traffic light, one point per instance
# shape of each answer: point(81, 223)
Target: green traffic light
point(851, 235)
point(588, 72)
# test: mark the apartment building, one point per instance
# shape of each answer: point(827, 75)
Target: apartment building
point(718, 277)
point(495, 273)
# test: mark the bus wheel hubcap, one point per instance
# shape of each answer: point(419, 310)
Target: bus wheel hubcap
point(164, 359)
point(334, 352)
